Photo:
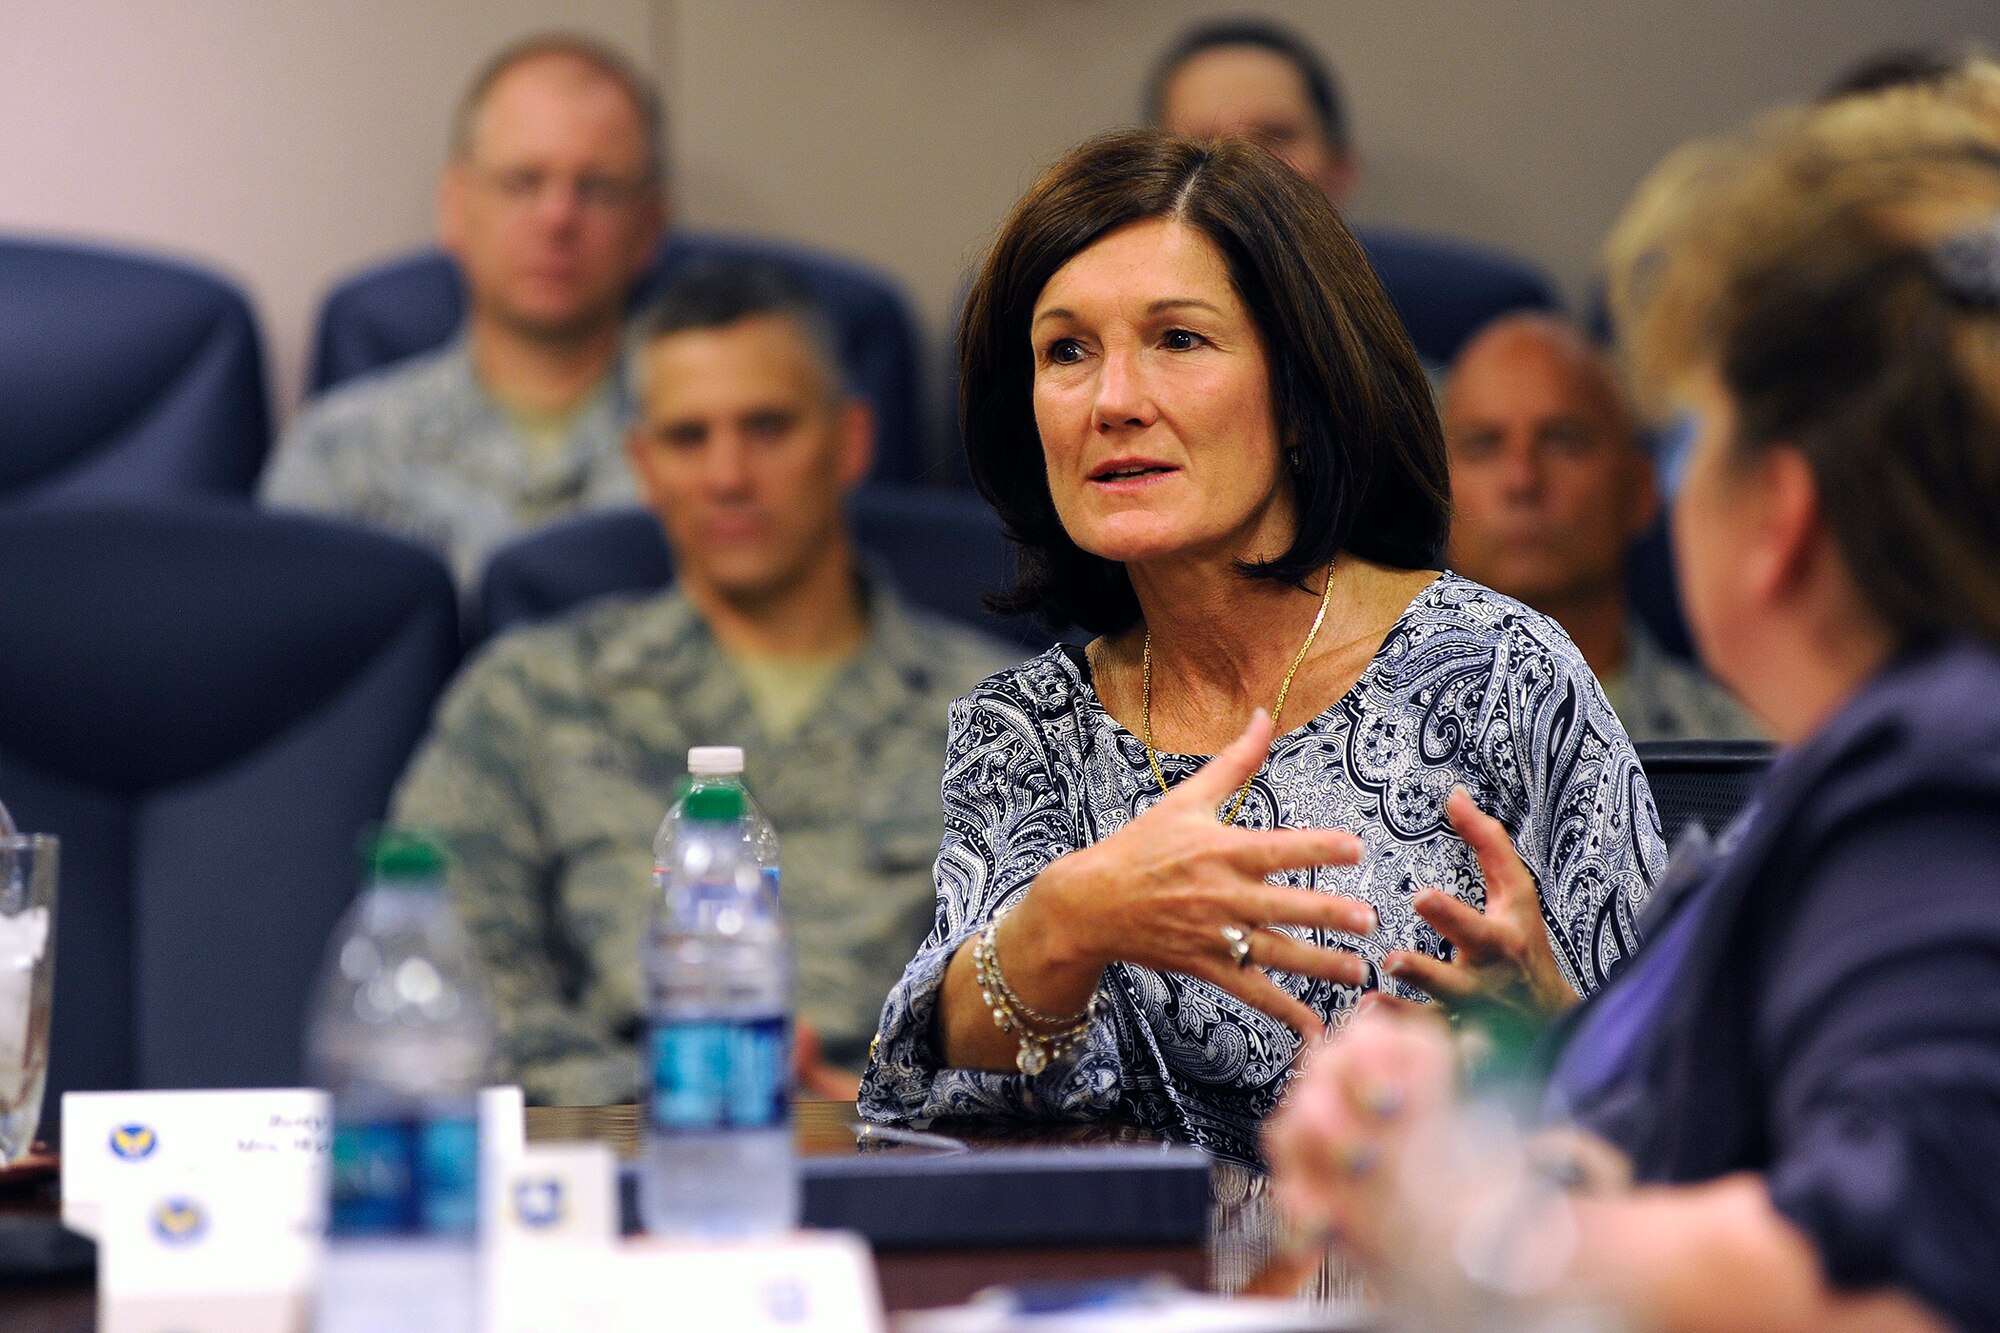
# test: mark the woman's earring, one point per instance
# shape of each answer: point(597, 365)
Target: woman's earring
point(1297, 466)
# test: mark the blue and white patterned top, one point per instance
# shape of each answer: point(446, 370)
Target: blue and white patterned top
point(1469, 687)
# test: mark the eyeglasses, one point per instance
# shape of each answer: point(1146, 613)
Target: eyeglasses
point(522, 187)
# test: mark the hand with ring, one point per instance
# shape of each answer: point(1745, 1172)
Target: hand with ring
point(1175, 890)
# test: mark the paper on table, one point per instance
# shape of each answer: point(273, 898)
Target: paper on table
point(1149, 1311)
point(23, 937)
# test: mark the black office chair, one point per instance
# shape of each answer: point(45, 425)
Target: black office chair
point(944, 549)
point(1702, 780)
point(124, 375)
point(207, 704)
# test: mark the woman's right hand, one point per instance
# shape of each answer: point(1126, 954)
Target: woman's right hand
point(1161, 890)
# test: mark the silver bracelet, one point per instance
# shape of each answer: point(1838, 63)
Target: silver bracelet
point(1060, 1038)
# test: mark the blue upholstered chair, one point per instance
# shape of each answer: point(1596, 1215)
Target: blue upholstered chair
point(208, 704)
point(1446, 290)
point(943, 548)
point(124, 375)
point(411, 305)
point(570, 562)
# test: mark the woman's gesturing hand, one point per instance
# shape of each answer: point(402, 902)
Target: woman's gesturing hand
point(1178, 891)
point(1502, 955)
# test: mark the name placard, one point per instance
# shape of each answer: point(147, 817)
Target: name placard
point(552, 1193)
point(806, 1282)
point(181, 1258)
point(271, 1142)
point(209, 1208)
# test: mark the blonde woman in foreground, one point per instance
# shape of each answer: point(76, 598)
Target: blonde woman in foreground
point(1784, 1113)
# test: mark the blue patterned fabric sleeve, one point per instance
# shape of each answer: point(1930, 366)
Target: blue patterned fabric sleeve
point(1008, 814)
point(1570, 789)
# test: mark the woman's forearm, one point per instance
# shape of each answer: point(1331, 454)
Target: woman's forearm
point(1719, 1257)
point(1035, 945)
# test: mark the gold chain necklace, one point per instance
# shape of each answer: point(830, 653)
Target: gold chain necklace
point(1277, 709)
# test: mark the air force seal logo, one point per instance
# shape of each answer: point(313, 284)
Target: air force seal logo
point(133, 1143)
point(179, 1221)
point(538, 1203)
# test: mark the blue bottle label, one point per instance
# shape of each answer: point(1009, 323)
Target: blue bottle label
point(715, 1074)
point(405, 1177)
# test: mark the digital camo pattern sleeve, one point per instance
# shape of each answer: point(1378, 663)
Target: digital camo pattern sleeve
point(1571, 790)
point(471, 784)
point(301, 473)
point(1008, 814)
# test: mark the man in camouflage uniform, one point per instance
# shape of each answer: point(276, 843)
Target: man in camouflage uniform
point(1550, 489)
point(555, 754)
point(551, 205)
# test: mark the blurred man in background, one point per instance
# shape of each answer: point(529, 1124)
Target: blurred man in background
point(557, 751)
point(551, 203)
point(1244, 78)
point(1551, 488)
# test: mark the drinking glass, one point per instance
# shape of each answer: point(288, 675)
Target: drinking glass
point(27, 975)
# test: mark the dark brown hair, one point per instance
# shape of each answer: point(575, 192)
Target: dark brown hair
point(1347, 392)
point(1322, 88)
point(1840, 273)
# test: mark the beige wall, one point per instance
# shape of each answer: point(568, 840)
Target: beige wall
point(289, 141)
point(284, 141)
point(902, 129)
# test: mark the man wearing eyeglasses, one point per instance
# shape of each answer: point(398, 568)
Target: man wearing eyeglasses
point(551, 202)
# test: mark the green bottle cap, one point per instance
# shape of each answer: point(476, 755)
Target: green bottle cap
point(407, 854)
point(720, 803)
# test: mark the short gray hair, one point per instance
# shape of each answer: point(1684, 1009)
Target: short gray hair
point(600, 58)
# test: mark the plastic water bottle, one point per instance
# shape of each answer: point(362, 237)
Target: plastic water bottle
point(402, 1039)
point(721, 765)
point(716, 1061)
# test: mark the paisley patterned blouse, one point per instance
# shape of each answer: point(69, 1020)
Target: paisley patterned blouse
point(1469, 687)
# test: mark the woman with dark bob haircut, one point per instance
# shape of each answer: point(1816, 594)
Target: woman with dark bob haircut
point(1784, 1113)
point(1207, 433)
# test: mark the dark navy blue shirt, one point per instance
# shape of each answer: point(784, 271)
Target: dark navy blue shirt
point(1824, 1006)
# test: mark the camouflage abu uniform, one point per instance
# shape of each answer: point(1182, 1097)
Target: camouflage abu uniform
point(1660, 698)
point(424, 451)
point(555, 754)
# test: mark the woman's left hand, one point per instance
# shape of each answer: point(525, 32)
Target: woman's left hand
point(1501, 955)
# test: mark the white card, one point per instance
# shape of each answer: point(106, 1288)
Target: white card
point(503, 1123)
point(279, 1138)
point(396, 1286)
point(564, 1193)
point(272, 1142)
point(805, 1282)
point(174, 1257)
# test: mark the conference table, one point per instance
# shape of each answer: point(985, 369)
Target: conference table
point(910, 1278)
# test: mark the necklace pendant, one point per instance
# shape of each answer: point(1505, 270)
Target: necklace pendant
point(1032, 1059)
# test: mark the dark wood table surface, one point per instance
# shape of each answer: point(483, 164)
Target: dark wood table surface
point(911, 1279)
point(919, 1279)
